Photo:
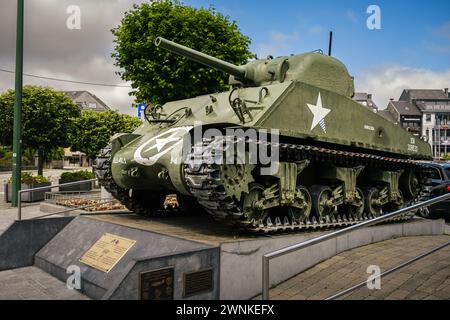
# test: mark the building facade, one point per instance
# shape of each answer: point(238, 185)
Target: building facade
point(407, 115)
point(426, 114)
point(87, 101)
point(366, 100)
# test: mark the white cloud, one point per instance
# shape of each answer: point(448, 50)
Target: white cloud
point(443, 30)
point(351, 15)
point(279, 44)
point(437, 47)
point(316, 29)
point(386, 82)
point(439, 39)
point(52, 50)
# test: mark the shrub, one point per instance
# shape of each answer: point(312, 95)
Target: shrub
point(29, 178)
point(4, 151)
point(70, 176)
point(6, 158)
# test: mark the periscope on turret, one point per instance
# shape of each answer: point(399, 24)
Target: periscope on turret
point(335, 159)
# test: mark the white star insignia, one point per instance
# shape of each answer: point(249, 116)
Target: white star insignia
point(319, 114)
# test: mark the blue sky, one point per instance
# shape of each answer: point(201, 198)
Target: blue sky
point(411, 50)
point(414, 33)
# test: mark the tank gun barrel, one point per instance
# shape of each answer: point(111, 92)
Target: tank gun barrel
point(238, 72)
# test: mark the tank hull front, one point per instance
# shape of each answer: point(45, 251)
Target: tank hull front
point(152, 162)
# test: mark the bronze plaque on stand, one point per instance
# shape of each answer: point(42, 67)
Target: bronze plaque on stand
point(106, 252)
point(156, 284)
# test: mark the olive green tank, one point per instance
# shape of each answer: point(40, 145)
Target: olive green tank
point(285, 148)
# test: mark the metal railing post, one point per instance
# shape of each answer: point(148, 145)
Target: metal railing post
point(302, 245)
point(265, 278)
point(19, 205)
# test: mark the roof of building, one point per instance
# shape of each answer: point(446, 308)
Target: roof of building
point(423, 94)
point(360, 96)
point(367, 97)
point(405, 108)
point(387, 115)
point(75, 94)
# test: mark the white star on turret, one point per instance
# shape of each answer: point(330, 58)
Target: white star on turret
point(319, 114)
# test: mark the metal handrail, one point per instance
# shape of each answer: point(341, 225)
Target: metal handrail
point(19, 193)
point(387, 272)
point(302, 245)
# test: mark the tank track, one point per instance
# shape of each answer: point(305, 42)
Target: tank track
point(203, 179)
point(102, 170)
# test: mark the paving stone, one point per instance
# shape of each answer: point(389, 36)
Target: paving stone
point(416, 295)
point(432, 297)
point(398, 295)
point(298, 297)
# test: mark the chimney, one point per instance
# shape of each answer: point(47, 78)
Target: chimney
point(369, 96)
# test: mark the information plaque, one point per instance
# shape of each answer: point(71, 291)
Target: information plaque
point(106, 252)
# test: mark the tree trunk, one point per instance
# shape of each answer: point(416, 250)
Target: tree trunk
point(30, 155)
point(40, 162)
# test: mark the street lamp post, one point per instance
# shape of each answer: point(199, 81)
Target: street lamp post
point(17, 131)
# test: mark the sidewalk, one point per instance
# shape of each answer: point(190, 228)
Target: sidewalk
point(8, 216)
point(425, 279)
point(31, 283)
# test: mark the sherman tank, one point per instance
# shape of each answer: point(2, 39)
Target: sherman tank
point(285, 148)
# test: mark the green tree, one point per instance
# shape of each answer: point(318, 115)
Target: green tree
point(159, 76)
point(94, 129)
point(47, 119)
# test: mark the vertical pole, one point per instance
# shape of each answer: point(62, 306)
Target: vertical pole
point(330, 44)
point(265, 278)
point(435, 138)
point(439, 140)
point(19, 206)
point(445, 135)
point(17, 131)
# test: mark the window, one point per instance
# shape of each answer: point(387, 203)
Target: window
point(92, 105)
point(447, 172)
point(435, 174)
point(428, 117)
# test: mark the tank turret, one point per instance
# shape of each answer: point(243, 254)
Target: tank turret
point(312, 68)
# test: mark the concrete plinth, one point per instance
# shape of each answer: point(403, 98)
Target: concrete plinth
point(241, 255)
point(191, 244)
point(150, 252)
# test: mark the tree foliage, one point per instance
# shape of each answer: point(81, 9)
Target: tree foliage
point(47, 119)
point(159, 76)
point(94, 129)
